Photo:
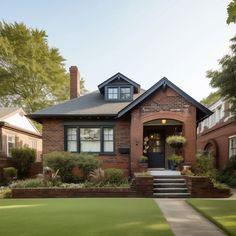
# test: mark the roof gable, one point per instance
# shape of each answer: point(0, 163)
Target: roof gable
point(202, 111)
point(116, 79)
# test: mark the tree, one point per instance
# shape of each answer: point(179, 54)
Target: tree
point(211, 98)
point(231, 9)
point(224, 79)
point(32, 75)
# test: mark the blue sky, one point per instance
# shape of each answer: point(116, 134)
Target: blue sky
point(143, 39)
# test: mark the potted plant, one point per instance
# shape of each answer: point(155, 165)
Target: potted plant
point(175, 161)
point(143, 159)
point(176, 141)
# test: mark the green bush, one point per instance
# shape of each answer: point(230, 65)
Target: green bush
point(228, 174)
point(22, 159)
point(87, 163)
point(5, 193)
point(9, 173)
point(204, 165)
point(33, 183)
point(66, 162)
point(114, 176)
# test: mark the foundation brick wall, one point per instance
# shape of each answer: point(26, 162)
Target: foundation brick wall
point(201, 186)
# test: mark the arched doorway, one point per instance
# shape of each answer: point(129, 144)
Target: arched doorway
point(212, 148)
point(154, 144)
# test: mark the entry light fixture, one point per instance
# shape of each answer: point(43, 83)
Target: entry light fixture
point(163, 121)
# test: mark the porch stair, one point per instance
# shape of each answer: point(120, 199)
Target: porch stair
point(170, 186)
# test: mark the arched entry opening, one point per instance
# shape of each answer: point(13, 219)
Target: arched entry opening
point(212, 148)
point(155, 148)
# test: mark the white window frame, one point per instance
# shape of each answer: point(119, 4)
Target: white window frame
point(232, 150)
point(13, 141)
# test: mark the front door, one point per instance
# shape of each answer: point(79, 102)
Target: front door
point(156, 150)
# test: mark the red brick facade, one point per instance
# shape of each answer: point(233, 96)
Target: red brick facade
point(173, 108)
point(217, 138)
point(164, 104)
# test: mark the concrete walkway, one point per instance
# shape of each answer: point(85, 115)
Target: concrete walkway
point(184, 220)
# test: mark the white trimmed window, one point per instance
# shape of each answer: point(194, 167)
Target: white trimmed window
point(232, 146)
point(10, 144)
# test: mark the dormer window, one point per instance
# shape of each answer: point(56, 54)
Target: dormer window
point(125, 93)
point(119, 93)
point(112, 93)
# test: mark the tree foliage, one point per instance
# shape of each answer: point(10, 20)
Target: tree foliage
point(32, 75)
point(211, 98)
point(224, 79)
point(231, 9)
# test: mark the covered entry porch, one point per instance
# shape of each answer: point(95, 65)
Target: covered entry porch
point(155, 147)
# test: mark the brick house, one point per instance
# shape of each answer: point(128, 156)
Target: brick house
point(114, 121)
point(217, 133)
point(16, 130)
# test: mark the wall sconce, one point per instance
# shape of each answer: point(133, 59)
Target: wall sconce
point(163, 122)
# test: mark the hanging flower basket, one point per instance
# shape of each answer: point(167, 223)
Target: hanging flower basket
point(176, 141)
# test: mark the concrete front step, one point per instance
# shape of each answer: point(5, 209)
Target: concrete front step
point(170, 190)
point(169, 180)
point(169, 185)
point(171, 195)
point(168, 177)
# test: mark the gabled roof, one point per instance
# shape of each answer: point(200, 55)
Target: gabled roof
point(202, 111)
point(119, 76)
point(6, 111)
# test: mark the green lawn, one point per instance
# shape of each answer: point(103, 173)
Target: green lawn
point(220, 212)
point(84, 216)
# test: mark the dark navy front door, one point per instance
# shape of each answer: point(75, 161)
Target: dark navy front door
point(156, 151)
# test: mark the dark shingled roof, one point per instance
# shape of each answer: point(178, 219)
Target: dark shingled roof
point(87, 105)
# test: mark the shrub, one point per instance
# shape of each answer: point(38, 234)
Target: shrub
point(5, 193)
point(228, 174)
point(204, 165)
point(34, 183)
point(66, 162)
point(22, 159)
point(114, 176)
point(87, 163)
point(9, 173)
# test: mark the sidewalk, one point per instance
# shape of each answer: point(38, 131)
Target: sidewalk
point(184, 220)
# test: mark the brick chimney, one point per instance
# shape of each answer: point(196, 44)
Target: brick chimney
point(74, 82)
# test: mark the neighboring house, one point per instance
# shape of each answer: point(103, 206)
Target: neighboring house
point(217, 133)
point(114, 121)
point(16, 130)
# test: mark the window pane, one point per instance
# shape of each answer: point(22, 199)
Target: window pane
point(71, 134)
point(112, 93)
point(72, 139)
point(72, 146)
point(125, 93)
point(90, 134)
point(108, 146)
point(108, 137)
point(108, 134)
point(90, 146)
point(90, 140)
